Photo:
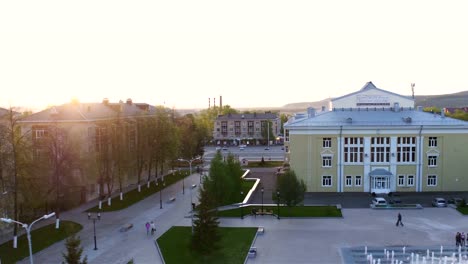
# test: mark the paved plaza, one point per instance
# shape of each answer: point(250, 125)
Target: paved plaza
point(288, 240)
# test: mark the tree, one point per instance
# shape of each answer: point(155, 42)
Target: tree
point(291, 189)
point(206, 236)
point(267, 131)
point(74, 251)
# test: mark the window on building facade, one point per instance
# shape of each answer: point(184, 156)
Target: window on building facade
point(431, 180)
point(237, 128)
point(286, 135)
point(101, 142)
point(406, 149)
point(432, 142)
point(353, 149)
point(401, 180)
point(250, 128)
point(326, 143)
point(326, 161)
point(410, 180)
point(326, 181)
point(357, 180)
point(432, 161)
point(224, 130)
point(287, 149)
point(349, 181)
point(380, 149)
point(41, 133)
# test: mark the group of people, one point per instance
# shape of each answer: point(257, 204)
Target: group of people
point(460, 239)
point(150, 226)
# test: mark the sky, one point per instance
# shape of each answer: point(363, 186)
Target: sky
point(252, 53)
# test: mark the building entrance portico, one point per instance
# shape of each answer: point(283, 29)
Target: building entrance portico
point(380, 181)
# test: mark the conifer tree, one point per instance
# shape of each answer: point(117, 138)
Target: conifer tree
point(74, 251)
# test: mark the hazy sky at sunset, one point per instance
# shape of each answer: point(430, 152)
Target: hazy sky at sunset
point(253, 53)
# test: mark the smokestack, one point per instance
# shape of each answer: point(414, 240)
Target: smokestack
point(209, 103)
point(412, 88)
point(221, 102)
point(214, 101)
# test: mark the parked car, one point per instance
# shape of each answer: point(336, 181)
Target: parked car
point(225, 148)
point(439, 202)
point(455, 200)
point(241, 148)
point(379, 201)
point(218, 148)
point(395, 200)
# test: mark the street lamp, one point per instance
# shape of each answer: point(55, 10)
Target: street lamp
point(242, 197)
point(262, 200)
point(160, 192)
point(190, 165)
point(94, 226)
point(278, 199)
point(28, 230)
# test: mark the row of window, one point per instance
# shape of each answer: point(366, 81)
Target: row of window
point(327, 159)
point(401, 141)
point(403, 181)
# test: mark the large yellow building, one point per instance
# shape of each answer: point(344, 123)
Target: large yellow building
point(376, 141)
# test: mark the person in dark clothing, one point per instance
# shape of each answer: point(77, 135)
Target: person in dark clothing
point(399, 222)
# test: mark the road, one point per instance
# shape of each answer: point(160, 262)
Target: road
point(274, 152)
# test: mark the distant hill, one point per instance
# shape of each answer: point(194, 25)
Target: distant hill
point(445, 100)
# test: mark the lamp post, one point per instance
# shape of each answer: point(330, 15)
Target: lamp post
point(242, 196)
point(94, 226)
point(262, 200)
point(28, 230)
point(190, 165)
point(278, 199)
point(160, 192)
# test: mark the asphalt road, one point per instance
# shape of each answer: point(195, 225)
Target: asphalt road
point(274, 152)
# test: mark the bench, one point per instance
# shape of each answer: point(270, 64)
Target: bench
point(172, 199)
point(252, 252)
point(261, 230)
point(264, 212)
point(126, 227)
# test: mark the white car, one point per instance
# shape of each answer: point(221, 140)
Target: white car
point(439, 202)
point(379, 201)
point(241, 148)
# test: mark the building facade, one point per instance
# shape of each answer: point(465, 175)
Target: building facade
point(376, 141)
point(92, 132)
point(234, 129)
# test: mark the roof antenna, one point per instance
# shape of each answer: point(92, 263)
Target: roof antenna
point(412, 88)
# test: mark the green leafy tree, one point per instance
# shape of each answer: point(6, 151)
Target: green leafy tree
point(206, 235)
point(225, 181)
point(291, 189)
point(74, 251)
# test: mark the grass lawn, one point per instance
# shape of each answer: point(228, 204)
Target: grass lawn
point(463, 210)
point(233, 247)
point(267, 164)
point(133, 196)
point(246, 186)
point(41, 239)
point(296, 211)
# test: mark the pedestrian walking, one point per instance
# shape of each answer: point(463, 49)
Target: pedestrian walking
point(399, 222)
point(462, 239)
point(457, 239)
point(147, 225)
point(153, 228)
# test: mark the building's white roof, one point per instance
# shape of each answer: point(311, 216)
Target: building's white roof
point(372, 117)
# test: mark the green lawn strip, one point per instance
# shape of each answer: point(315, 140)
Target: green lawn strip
point(133, 196)
point(267, 164)
point(463, 210)
point(41, 238)
point(246, 186)
point(233, 247)
point(296, 211)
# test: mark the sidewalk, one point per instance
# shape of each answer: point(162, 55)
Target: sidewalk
point(121, 247)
